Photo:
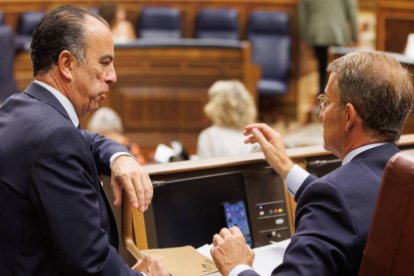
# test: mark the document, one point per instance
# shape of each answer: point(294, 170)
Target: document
point(266, 259)
point(185, 261)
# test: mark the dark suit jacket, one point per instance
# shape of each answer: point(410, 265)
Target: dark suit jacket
point(55, 219)
point(333, 217)
point(8, 84)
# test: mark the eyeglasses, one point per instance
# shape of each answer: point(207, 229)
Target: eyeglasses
point(324, 101)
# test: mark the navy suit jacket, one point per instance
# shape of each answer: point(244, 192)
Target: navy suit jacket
point(333, 217)
point(55, 219)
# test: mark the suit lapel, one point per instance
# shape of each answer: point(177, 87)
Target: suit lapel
point(42, 94)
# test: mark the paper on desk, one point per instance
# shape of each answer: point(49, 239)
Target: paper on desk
point(267, 257)
point(185, 261)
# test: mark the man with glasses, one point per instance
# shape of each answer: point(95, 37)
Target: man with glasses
point(367, 100)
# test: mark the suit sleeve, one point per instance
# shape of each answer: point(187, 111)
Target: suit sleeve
point(325, 242)
point(307, 181)
point(64, 192)
point(102, 149)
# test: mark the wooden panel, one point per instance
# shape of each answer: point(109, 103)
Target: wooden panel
point(163, 89)
point(367, 5)
point(163, 109)
point(395, 20)
point(23, 70)
point(177, 66)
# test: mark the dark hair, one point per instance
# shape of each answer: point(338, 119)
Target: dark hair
point(61, 29)
point(379, 88)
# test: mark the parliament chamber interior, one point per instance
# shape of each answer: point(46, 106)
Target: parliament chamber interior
point(182, 48)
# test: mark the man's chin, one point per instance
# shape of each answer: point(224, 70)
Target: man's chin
point(94, 105)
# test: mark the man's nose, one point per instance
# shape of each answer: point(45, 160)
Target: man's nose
point(320, 114)
point(111, 75)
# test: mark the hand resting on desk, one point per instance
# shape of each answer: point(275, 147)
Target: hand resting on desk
point(128, 174)
point(230, 249)
point(152, 265)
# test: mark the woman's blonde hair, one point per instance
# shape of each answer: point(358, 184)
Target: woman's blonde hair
point(230, 105)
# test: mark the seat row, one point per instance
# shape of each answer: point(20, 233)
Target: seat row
point(268, 32)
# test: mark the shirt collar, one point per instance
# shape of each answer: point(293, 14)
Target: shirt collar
point(67, 105)
point(357, 151)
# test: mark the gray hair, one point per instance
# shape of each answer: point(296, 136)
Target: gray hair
point(105, 120)
point(379, 88)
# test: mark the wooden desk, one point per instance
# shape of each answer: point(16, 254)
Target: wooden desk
point(395, 20)
point(180, 173)
point(163, 85)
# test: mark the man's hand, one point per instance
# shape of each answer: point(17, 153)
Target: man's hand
point(230, 249)
point(272, 146)
point(152, 265)
point(127, 174)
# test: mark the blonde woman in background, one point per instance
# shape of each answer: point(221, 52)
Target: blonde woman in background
point(230, 108)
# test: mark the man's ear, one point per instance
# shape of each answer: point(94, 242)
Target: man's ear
point(65, 63)
point(352, 116)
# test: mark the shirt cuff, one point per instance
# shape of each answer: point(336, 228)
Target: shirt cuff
point(239, 269)
point(117, 154)
point(295, 178)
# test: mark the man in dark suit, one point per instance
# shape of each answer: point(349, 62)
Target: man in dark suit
point(7, 50)
point(55, 217)
point(366, 102)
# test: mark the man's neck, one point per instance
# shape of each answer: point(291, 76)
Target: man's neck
point(53, 81)
point(64, 101)
point(348, 157)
